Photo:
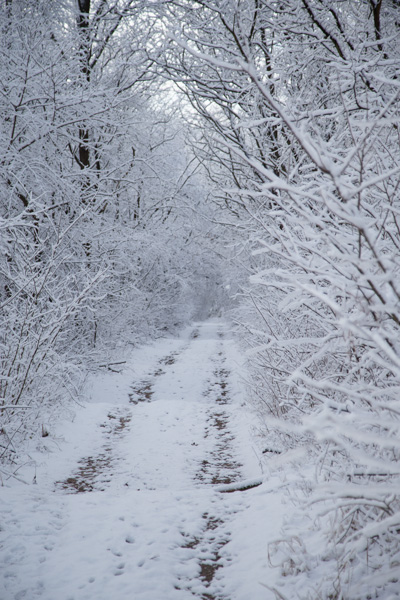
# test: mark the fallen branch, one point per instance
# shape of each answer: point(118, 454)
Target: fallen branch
point(13, 406)
point(8, 475)
point(240, 486)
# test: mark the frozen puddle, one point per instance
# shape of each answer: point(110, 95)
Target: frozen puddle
point(130, 506)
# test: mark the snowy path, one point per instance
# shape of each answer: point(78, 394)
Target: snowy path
point(131, 507)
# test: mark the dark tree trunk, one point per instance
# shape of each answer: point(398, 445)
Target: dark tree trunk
point(83, 24)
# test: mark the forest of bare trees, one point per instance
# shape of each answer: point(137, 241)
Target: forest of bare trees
point(161, 160)
point(96, 181)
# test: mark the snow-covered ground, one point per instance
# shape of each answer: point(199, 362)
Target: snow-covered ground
point(130, 504)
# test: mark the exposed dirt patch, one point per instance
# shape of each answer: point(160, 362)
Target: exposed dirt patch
point(219, 467)
point(95, 472)
point(118, 423)
point(191, 543)
point(222, 383)
point(90, 474)
point(222, 374)
point(158, 372)
point(211, 541)
point(208, 570)
point(219, 387)
point(219, 420)
point(169, 360)
point(141, 392)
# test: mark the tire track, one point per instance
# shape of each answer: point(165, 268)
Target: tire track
point(95, 472)
point(218, 467)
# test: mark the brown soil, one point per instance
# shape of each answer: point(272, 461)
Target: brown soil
point(95, 472)
point(141, 392)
